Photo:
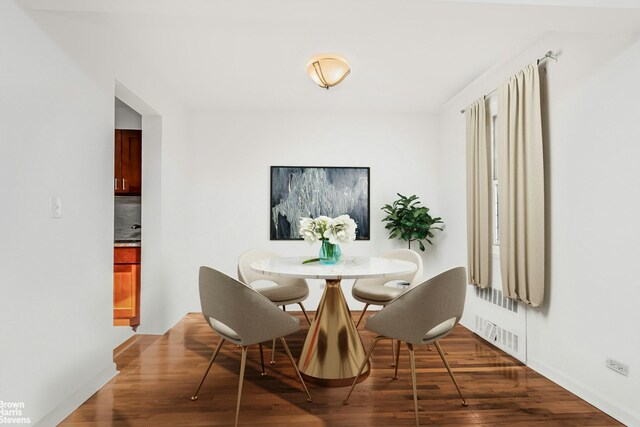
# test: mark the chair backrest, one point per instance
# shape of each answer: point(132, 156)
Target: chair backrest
point(251, 315)
point(414, 278)
point(438, 302)
point(247, 275)
point(402, 254)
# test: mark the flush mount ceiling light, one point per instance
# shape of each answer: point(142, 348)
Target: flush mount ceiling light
point(328, 70)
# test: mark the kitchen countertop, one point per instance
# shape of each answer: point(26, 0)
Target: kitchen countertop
point(130, 244)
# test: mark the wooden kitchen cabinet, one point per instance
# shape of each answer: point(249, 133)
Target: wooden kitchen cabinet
point(126, 286)
point(128, 162)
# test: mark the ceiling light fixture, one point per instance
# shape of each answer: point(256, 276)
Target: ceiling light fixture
point(328, 70)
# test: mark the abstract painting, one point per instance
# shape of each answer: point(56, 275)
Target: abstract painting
point(314, 191)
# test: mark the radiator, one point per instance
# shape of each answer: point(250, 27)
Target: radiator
point(501, 321)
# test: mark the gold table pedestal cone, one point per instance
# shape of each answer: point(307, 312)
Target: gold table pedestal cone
point(333, 351)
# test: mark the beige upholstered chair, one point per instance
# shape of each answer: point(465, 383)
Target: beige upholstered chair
point(280, 290)
point(225, 303)
point(422, 315)
point(383, 290)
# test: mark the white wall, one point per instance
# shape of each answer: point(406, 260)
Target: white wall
point(93, 50)
point(56, 133)
point(56, 139)
point(590, 312)
point(229, 178)
point(126, 117)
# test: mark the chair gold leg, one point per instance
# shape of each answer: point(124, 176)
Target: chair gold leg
point(273, 345)
point(213, 358)
point(364, 310)
point(414, 382)
point(395, 375)
point(263, 373)
point(364, 363)
point(305, 313)
point(273, 353)
point(444, 359)
point(295, 367)
point(242, 365)
point(393, 353)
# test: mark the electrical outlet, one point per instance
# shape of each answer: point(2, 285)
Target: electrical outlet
point(619, 367)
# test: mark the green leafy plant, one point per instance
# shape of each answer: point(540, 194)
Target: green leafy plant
point(407, 220)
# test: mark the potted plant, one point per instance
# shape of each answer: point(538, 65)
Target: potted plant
point(407, 220)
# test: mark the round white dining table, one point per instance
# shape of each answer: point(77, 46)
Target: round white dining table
point(333, 351)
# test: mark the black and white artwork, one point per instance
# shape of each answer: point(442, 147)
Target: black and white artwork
point(298, 192)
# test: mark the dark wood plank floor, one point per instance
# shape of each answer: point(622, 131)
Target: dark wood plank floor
point(158, 374)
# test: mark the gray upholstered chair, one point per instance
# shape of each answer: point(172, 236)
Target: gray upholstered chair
point(225, 303)
point(383, 290)
point(422, 315)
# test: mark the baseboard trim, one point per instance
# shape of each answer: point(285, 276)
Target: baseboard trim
point(74, 401)
point(625, 416)
point(125, 345)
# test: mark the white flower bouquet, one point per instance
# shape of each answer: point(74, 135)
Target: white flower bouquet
point(331, 232)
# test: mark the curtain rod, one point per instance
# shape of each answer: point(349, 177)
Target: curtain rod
point(548, 55)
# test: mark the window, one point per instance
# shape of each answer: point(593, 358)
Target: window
point(492, 111)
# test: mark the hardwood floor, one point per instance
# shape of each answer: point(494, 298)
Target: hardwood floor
point(158, 374)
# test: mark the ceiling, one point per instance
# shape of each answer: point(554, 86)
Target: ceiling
point(405, 55)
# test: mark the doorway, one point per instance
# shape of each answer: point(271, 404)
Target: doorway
point(127, 216)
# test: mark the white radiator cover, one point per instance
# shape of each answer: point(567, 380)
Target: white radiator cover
point(501, 321)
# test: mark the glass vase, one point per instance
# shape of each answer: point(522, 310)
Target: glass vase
point(329, 253)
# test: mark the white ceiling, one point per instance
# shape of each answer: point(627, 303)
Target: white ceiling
point(405, 55)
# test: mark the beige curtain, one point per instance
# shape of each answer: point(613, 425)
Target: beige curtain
point(521, 187)
point(478, 185)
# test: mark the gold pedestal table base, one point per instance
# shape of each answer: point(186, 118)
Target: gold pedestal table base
point(333, 351)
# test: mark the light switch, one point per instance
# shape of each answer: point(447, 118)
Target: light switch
point(56, 207)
